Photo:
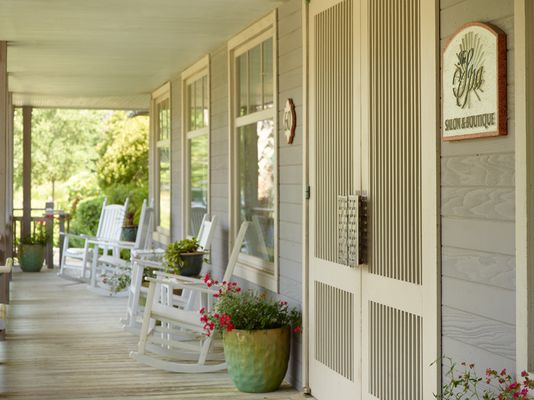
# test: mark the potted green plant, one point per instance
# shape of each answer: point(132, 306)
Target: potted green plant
point(32, 249)
point(184, 257)
point(129, 229)
point(256, 335)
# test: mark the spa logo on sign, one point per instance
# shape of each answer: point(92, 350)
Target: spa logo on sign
point(474, 83)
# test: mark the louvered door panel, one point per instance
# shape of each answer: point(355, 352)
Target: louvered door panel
point(333, 120)
point(335, 281)
point(395, 300)
point(395, 139)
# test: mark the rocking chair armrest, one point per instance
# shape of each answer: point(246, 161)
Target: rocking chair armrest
point(73, 235)
point(182, 285)
point(114, 243)
point(149, 263)
point(87, 237)
point(184, 279)
point(138, 253)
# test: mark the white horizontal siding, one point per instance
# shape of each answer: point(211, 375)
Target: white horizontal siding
point(478, 228)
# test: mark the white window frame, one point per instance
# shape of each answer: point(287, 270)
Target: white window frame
point(251, 268)
point(163, 93)
point(197, 71)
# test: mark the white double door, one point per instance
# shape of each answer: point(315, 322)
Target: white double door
point(372, 133)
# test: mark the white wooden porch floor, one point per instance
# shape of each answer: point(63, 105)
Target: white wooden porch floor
point(64, 342)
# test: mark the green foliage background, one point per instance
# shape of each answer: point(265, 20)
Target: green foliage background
point(79, 157)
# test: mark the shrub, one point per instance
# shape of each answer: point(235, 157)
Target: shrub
point(86, 218)
point(117, 194)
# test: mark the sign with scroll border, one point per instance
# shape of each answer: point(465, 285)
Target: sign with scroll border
point(486, 114)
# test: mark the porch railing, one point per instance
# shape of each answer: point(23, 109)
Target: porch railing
point(55, 221)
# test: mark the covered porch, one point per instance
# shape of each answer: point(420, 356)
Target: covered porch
point(55, 350)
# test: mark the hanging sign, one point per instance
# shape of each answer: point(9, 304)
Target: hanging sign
point(474, 83)
point(290, 121)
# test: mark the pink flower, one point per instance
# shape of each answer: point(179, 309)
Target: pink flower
point(524, 374)
point(202, 310)
point(503, 372)
point(297, 329)
point(513, 386)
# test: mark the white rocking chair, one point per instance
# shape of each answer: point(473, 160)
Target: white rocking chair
point(142, 260)
point(179, 344)
point(109, 231)
point(107, 268)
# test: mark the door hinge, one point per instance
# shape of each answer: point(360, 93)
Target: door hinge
point(308, 192)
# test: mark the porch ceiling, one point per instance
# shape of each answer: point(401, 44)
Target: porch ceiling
point(111, 53)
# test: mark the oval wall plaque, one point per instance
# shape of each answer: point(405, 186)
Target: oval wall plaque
point(290, 121)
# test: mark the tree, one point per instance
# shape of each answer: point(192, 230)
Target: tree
point(122, 168)
point(64, 143)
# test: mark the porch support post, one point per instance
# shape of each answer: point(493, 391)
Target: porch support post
point(9, 175)
point(4, 153)
point(26, 170)
point(524, 166)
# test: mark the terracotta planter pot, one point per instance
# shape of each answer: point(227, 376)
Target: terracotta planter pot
point(257, 360)
point(31, 257)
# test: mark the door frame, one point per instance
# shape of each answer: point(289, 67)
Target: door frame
point(430, 67)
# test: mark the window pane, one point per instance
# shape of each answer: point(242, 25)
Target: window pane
point(198, 181)
point(268, 74)
point(199, 107)
point(242, 85)
point(255, 80)
point(164, 120)
point(257, 187)
point(164, 188)
point(206, 100)
point(190, 107)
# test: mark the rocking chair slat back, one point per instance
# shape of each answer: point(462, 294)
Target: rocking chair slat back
point(206, 232)
point(111, 221)
point(143, 240)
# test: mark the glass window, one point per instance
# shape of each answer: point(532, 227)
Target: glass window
point(164, 187)
point(199, 181)
point(197, 153)
point(255, 77)
point(254, 147)
point(163, 162)
point(257, 187)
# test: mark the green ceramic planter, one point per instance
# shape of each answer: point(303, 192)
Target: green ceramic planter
point(257, 360)
point(31, 257)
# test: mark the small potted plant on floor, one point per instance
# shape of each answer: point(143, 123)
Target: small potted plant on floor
point(256, 335)
point(184, 257)
point(32, 249)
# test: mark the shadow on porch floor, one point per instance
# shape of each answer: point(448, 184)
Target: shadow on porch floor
point(64, 342)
